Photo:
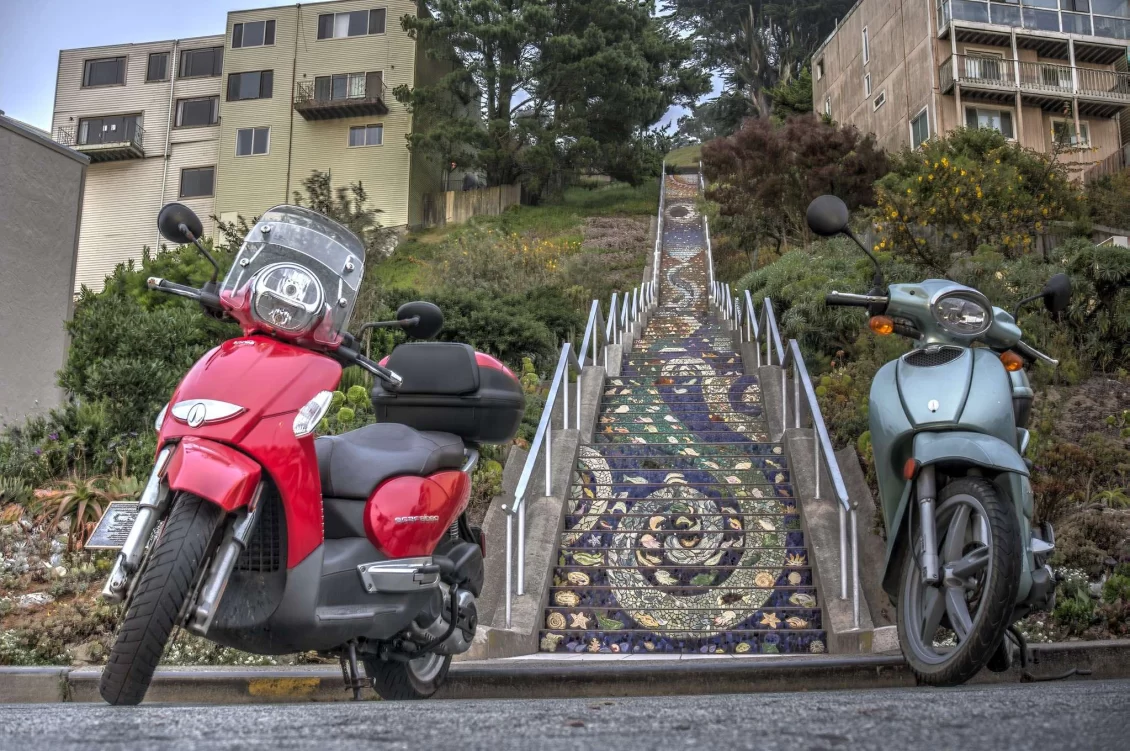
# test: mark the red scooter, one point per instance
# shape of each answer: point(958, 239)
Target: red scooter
point(258, 536)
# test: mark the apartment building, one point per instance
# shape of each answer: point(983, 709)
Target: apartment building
point(147, 116)
point(1049, 74)
point(232, 125)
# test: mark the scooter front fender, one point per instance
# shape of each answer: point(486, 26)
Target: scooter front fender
point(961, 448)
point(213, 471)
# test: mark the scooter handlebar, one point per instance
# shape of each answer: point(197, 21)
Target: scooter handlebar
point(351, 356)
point(852, 300)
point(1034, 354)
point(204, 297)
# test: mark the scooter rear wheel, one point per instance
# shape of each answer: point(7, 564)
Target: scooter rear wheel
point(174, 566)
point(948, 631)
point(406, 681)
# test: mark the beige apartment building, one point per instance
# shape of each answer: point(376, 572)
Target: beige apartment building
point(147, 116)
point(231, 125)
point(1047, 73)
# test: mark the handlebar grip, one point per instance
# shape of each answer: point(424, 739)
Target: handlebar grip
point(351, 356)
point(852, 300)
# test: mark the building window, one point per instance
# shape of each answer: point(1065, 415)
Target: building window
point(1078, 6)
point(866, 46)
point(116, 129)
point(867, 86)
point(197, 182)
point(820, 69)
point(158, 68)
point(1063, 132)
point(366, 135)
point(107, 71)
point(200, 111)
point(879, 100)
point(252, 84)
point(349, 86)
point(352, 24)
point(920, 129)
point(998, 120)
point(253, 34)
point(251, 141)
point(207, 61)
point(828, 106)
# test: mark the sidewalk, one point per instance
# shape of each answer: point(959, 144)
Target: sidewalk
point(536, 677)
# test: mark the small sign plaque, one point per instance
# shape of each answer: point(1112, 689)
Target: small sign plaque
point(114, 526)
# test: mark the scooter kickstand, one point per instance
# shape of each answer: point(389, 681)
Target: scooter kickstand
point(349, 672)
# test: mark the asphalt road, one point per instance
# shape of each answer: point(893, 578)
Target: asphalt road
point(1088, 715)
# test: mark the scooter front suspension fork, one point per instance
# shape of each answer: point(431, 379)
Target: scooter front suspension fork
point(926, 493)
point(150, 509)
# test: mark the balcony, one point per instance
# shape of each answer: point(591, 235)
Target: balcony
point(1101, 93)
point(105, 145)
point(330, 97)
point(1097, 38)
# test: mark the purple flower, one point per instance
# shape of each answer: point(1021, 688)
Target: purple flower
point(38, 451)
point(53, 436)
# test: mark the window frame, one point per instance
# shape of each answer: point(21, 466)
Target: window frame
point(86, 63)
point(180, 185)
point(828, 106)
point(368, 24)
point(819, 69)
point(1011, 114)
point(149, 65)
point(925, 111)
point(867, 88)
point(269, 95)
point(213, 74)
point(178, 111)
point(268, 25)
point(365, 127)
point(866, 45)
point(1069, 123)
point(879, 101)
point(253, 128)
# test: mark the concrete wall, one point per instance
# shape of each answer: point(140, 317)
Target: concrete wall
point(123, 198)
point(249, 185)
point(41, 191)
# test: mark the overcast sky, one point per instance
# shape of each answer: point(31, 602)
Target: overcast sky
point(33, 31)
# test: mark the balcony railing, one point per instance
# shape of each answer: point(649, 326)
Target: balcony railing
point(1035, 78)
point(1030, 16)
point(105, 146)
point(324, 101)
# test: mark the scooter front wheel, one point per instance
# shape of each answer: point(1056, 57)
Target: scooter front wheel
point(949, 630)
point(169, 577)
point(415, 679)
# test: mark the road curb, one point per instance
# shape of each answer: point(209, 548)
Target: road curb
point(533, 678)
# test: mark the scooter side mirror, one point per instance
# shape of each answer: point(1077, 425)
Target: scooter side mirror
point(429, 319)
point(174, 219)
point(828, 216)
point(1057, 293)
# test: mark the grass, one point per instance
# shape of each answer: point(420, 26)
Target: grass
point(687, 156)
point(558, 220)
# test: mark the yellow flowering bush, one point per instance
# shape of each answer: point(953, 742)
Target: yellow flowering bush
point(970, 188)
point(488, 259)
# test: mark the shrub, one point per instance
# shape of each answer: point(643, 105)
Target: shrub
point(1075, 613)
point(1117, 589)
point(1108, 200)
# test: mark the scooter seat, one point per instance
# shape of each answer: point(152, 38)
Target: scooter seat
point(353, 464)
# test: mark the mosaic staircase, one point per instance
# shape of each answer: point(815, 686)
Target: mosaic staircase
point(681, 534)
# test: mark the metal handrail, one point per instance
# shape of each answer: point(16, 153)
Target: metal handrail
point(659, 227)
point(624, 310)
point(737, 311)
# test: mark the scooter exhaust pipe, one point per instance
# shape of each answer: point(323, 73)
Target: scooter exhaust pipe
point(926, 491)
point(151, 508)
point(233, 545)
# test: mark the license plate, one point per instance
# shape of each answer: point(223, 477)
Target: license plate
point(114, 527)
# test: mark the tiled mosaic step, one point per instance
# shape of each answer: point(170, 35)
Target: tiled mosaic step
point(606, 596)
point(740, 450)
point(659, 410)
point(810, 617)
point(737, 472)
point(741, 380)
point(700, 418)
point(670, 358)
point(649, 466)
point(698, 438)
point(569, 548)
point(728, 642)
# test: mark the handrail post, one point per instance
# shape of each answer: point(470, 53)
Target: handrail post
point(784, 397)
point(796, 394)
point(565, 404)
point(816, 457)
point(854, 570)
point(843, 553)
point(509, 564)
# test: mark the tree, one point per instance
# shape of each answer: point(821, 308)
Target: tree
point(792, 97)
point(969, 188)
point(764, 176)
point(757, 44)
point(563, 85)
point(716, 118)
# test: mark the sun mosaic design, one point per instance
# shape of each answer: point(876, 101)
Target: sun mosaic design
point(682, 533)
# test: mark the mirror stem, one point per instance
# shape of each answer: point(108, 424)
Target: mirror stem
point(1022, 303)
point(878, 279)
point(200, 246)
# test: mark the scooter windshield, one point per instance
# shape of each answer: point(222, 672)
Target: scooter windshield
point(300, 264)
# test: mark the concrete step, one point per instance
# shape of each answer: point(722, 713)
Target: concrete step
point(783, 641)
point(742, 450)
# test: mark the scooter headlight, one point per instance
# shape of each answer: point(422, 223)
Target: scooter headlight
point(963, 315)
point(288, 297)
